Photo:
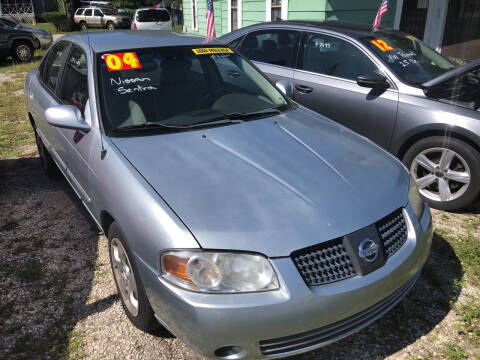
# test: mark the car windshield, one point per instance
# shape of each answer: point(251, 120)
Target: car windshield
point(109, 12)
point(181, 86)
point(412, 61)
point(152, 15)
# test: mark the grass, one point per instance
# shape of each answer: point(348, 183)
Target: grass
point(453, 351)
point(15, 131)
point(45, 26)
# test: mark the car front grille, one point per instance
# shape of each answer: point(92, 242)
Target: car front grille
point(392, 230)
point(316, 338)
point(329, 261)
point(324, 263)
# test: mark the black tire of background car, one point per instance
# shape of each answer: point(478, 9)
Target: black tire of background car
point(48, 164)
point(110, 26)
point(22, 45)
point(469, 154)
point(83, 26)
point(145, 319)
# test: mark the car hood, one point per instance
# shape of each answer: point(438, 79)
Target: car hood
point(451, 74)
point(34, 30)
point(273, 185)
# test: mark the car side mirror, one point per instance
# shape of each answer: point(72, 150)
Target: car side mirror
point(286, 87)
point(373, 80)
point(66, 117)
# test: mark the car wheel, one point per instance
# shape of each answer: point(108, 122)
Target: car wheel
point(110, 26)
point(48, 164)
point(447, 171)
point(83, 26)
point(129, 285)
point(22, 51)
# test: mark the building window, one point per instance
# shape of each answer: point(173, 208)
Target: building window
point(194, 15)
point(234, 15)
point(276, 11)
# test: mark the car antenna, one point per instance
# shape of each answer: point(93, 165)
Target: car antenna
point(103, 152)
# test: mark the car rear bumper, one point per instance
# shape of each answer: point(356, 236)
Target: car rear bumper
point(296, 318)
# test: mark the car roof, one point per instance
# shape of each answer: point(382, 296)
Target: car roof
point(102, 41)
point(349, 28)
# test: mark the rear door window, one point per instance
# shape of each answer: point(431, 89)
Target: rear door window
point(88, 12)
point(152, 15)
point(270, 46)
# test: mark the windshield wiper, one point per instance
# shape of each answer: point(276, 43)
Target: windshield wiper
point(150, 125)
point(231, 118)
point(234, 118)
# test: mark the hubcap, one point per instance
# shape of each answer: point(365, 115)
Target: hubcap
point(441, 174)
point(123, 272)
point(23, 52)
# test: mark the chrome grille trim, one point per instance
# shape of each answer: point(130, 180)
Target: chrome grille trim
point(324, 263)
point(392, 230)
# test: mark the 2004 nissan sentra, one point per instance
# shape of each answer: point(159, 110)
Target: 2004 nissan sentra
point(245, 224)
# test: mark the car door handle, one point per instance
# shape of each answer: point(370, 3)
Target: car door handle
point(304, 89)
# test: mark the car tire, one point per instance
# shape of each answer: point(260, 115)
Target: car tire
point(110, 26)
point(129, 285)
point(83, 26)
point(447, 171)
point(22, 51)
point(47, 162)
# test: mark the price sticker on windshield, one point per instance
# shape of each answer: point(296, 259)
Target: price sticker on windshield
point(382, 45)
point(122, 61)
point(410, 37)
point(214, 50)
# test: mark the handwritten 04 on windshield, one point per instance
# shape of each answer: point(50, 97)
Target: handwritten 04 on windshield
point(122, 61)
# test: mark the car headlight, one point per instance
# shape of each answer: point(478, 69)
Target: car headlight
point(218, 272)
point(415, 198)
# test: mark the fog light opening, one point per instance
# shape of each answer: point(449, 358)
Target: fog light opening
point(230, 352)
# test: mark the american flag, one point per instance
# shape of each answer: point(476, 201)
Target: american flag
point(381, 10)
point(210, 22)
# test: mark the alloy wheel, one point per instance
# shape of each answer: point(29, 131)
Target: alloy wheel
point(123, 272)
point(441, 174)
point(23, 52)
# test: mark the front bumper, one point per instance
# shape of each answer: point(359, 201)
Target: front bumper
point(296, 318)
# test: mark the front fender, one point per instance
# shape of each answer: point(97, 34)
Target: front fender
point(147, 221)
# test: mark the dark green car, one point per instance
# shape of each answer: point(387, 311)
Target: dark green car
point(17, 43)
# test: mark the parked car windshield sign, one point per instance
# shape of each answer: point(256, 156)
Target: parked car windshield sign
point(152, 15)
point(181, 87)
point(412, 61)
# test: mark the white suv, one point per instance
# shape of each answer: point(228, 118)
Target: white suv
point(152, 19)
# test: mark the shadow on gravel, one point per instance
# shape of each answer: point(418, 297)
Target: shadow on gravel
point(424, 307)
point(48, 251)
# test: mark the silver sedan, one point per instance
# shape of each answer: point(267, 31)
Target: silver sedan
point(245, 224)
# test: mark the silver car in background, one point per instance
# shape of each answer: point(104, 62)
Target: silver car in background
point(385, 85)
point(152, 18)
point(248, 226)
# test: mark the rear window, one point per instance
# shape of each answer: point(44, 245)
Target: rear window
point(152, 15)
